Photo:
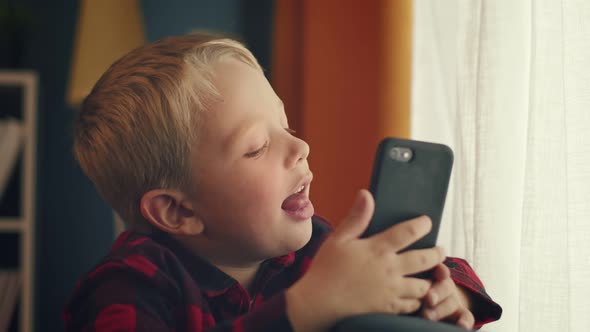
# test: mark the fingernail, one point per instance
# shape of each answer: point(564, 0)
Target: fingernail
point(462, 323)
point(359, 203)
point(431, 314)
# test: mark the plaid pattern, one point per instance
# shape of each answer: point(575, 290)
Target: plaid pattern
point(150, 283)
point(484, 308)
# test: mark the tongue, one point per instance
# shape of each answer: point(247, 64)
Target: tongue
point(294, 202)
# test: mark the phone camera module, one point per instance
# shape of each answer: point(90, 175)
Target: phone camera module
point(401, 154)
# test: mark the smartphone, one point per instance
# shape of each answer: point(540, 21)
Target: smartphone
point(410, 178)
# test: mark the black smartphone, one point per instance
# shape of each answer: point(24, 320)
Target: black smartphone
point(410, 178)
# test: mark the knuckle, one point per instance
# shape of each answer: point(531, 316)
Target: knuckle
point(423, 287)
point(446, 307)
point(392, 307)
point(412, 306)
point(381, 250)
point(413, 230)
point(450, 303)
point(394, 237)
point(376, 249)
point(395, 284)
point(423, 259)
point(389, 271)
point(444, 312)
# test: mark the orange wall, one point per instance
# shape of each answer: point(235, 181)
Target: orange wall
point(328, 67)
point(340, 99)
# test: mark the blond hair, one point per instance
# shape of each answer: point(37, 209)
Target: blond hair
point(136, 129)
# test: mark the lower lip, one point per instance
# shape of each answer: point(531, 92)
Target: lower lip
point(303, 213)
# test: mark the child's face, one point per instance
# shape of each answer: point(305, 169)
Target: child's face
point(248, 167)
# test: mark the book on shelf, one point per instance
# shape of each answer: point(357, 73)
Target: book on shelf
point(10, 284)
point(10, 145)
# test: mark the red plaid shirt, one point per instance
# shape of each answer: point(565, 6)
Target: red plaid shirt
point(150, 283)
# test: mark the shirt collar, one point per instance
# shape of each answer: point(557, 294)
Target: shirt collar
point(208, 276)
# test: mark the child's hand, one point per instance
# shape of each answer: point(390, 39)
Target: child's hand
point(352, 276)
point(445, 301)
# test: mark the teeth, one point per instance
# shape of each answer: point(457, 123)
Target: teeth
point(300, 189)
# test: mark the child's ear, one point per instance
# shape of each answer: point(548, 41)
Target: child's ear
point(170, 211)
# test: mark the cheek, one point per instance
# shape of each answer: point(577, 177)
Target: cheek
point(257, 189)
point(243, 192)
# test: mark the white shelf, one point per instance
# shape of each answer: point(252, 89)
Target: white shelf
point(10, 225)
point(24, 224)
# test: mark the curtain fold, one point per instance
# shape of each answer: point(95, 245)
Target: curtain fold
point(505, 85)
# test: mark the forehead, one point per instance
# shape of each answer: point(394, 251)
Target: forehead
point(245, 97)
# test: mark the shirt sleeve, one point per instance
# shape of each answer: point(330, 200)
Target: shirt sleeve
point(118, 301)
point(123, 301)
point(270, 316)
point(484, 308)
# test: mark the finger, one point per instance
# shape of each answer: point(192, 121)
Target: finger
point(443, 310)
point(441, 272)
point(405, 306)
point(403, 234)
point(357, 220)
point(465, 319)
point(420, 260)
point(413, 288)
point(440, 291)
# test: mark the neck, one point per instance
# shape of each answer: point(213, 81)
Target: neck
point(245, 275)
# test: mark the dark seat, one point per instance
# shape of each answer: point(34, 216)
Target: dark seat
point(391, 323)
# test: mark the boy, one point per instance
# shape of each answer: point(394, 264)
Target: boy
point(188, 142)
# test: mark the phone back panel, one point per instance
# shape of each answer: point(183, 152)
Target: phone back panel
point(407, 189)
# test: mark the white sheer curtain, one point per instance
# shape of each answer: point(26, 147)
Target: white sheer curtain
point(507, 85)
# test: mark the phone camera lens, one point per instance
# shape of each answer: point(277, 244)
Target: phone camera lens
point(401, 154)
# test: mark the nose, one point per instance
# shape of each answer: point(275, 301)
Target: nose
point(298, 151)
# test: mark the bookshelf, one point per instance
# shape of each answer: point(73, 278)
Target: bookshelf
point(18, 101)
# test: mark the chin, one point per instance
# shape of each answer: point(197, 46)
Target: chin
point(302, 236)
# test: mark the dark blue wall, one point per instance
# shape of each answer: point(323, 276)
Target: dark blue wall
point(180, 17)
point(74, 225)
point(249, 21)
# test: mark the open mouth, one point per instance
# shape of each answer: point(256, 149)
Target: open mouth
point(301, 189)
point(298, 204)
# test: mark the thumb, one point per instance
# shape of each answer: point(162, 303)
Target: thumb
point(357, 220)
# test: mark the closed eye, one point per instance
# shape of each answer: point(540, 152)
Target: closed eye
point(257, 152)
point(290, 131)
